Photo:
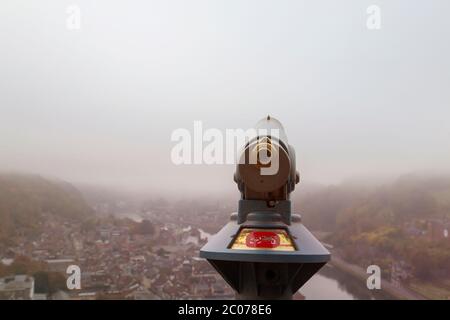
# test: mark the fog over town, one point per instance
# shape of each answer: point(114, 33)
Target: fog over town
point(102, 102)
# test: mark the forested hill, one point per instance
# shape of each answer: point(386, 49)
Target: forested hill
point(334, 208)
point(403, 224)
point(25, 199)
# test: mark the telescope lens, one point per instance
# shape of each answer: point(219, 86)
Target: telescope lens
point(264, 150)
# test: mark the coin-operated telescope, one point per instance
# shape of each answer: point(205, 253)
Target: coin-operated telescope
point(264, 251)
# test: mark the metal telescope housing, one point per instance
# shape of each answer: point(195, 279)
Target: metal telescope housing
point(267, 182)
point(264, 251)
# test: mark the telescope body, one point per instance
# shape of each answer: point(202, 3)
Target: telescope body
point(264, 251)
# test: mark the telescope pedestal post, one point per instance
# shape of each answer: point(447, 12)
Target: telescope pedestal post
point(282, 208)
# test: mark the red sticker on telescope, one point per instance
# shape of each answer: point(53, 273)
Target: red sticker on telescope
point(263, 239)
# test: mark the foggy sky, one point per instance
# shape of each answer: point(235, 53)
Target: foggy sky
point(99, 104)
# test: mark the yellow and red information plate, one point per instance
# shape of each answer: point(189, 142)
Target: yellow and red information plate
point(263, 239)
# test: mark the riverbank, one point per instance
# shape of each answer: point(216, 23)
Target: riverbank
point(398, 292)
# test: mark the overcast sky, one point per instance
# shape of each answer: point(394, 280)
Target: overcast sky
point(99, 104)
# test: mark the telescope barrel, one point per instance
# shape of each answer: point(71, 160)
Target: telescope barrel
point(267, 168)
point(265, 252)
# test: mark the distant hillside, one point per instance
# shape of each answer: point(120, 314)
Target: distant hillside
point(342, 207)
point(24, 199)
point(403, 224)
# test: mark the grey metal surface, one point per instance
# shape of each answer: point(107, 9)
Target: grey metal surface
point(246, 207)
point(308, 248)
